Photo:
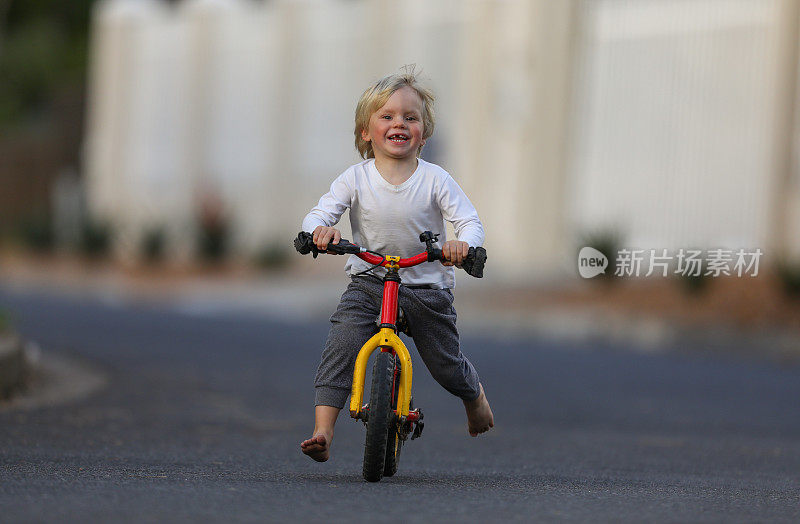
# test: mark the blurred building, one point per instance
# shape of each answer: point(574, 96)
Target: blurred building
point(670, 122)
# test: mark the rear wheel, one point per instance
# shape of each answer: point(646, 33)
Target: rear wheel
point(394, 444)
point(380, 418)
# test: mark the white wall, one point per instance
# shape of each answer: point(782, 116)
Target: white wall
point(674, 123)
point(655, 118)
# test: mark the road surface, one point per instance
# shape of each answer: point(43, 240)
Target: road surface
point(202, 414)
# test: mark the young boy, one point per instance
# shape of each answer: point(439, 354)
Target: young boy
point(393, 196)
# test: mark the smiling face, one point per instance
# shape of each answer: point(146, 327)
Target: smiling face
point(395, 129)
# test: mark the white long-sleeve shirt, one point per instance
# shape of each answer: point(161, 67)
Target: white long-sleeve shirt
point(388, 218)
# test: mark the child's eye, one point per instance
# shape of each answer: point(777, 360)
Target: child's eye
point(411, 118)
point(386, 116)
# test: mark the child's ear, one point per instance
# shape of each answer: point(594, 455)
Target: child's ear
point(365, 136)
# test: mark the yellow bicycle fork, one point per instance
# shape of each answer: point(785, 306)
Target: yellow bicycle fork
point(386, 337)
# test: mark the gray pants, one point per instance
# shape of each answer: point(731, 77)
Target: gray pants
point(432, 325)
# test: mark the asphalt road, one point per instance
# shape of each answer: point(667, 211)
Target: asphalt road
point(202, 417)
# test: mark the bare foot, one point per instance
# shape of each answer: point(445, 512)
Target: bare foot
point(479, 414)
point(317, 447)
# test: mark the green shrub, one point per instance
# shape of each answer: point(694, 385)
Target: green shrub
point(213, 240)
point(789, 276)
point(36, 233)
point(95, 238)
point(214, 230)
point(695, 284)
point(154, 243)
point(608, 242)
point(274, 255)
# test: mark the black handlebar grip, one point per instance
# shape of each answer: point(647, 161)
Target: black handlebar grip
point(476, 259)
point(344, 247)
point(304, 244)
point(436, 254)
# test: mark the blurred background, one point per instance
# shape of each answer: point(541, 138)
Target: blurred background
point(144, 131)
point(157, 159)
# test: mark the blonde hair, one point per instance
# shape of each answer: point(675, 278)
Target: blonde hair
point(376, 96)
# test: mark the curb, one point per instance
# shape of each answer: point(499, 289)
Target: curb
point(12, 364)
point(642, 334)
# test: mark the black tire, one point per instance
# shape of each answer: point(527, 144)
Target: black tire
point(394, 444)
point(380, 417)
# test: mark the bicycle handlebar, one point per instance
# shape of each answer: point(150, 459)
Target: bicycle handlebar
point(473, 264)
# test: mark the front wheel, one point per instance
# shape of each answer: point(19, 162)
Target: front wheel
point(381, 417)
point(394, 442)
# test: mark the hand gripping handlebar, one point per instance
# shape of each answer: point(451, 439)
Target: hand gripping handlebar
point(304, 244)
point(473, 264)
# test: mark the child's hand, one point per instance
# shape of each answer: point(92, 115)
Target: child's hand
point(455, 251)
point(322, 235)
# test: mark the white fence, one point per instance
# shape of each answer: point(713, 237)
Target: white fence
point(661, 119)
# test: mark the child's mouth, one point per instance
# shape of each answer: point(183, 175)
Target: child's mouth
point(398, 138)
